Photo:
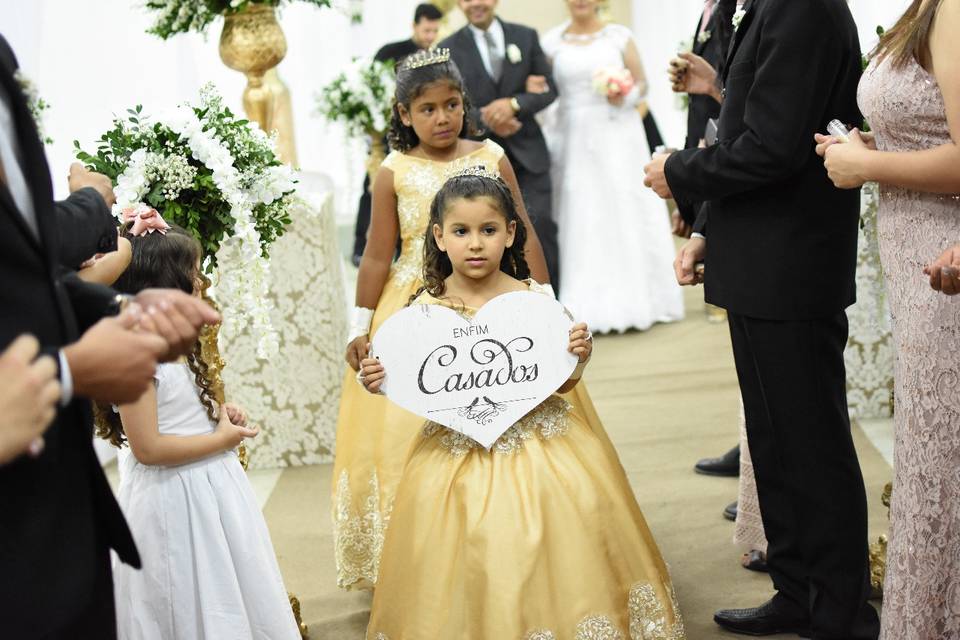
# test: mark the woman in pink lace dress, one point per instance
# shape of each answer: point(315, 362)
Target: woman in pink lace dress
point(910, 94)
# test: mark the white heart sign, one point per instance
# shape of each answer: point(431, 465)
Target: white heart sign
point(476, 375)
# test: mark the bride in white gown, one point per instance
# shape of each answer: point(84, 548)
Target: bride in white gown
point(616, 250)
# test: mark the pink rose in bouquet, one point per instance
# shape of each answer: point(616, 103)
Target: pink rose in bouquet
point(613, 82)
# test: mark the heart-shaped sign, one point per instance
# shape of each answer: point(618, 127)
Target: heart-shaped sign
point(476, 375)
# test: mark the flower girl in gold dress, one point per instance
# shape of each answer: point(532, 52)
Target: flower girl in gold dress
point(539, 538)
point(428, 137)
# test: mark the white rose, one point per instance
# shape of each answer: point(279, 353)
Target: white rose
point(514, 55)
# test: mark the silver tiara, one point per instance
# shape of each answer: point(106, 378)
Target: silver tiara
point(476, 171)
point(425, 58)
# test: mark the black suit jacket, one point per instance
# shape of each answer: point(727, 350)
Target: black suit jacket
point(781, 240)
point(56, 509)
point(84, 227)
point(527, 148)
point(396, 51)
point(702, 108)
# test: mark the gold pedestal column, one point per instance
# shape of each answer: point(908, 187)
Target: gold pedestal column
point(253, 43)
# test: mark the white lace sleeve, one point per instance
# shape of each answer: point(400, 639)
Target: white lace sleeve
point(620, 35)
point(550, 42)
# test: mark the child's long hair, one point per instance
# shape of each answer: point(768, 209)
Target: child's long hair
point(411, 83)
point(471, 186)
point(167, 262)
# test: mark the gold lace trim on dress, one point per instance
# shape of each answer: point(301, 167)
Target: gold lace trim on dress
point(359, 530)
point(648, 621)
point(548, 420)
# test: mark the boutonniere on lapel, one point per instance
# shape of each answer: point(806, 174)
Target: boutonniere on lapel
point(704, 36)
point(35, 103)
point(738, 18)
point(514, 55)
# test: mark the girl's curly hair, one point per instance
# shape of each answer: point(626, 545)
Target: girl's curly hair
point(168, 262)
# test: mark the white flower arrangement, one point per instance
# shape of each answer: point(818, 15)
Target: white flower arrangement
point(704, 36)
point(35, 103)
point(361, 97)
point(514, 55)
point(218, 177)
point(738, 18)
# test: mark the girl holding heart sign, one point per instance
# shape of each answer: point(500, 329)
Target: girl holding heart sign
point(538, 537)
point(428, 135)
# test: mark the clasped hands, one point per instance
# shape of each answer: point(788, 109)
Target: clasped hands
point(115, 360)
point(499, 115)
point(844, 160)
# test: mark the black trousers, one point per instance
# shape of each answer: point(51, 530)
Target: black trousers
point(363, 219)
point(538, 197)
point(812, 497)
point(98, 619)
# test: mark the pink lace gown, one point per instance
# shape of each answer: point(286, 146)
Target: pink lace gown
point(922, 591)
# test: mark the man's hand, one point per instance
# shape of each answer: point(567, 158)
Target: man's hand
point(537, 84)
point(497, 112)
point(692, 252)
point(679, 226)
point(508, 128)
point(656, 178)
point(29, 392)
point(113, 363)
point(944, 272)
point(81, 177)
point(689, 73)
point(175, 316)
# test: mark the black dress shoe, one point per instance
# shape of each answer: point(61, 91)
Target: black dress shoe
point(768, 619)
point(726, 465)
point(730, 512)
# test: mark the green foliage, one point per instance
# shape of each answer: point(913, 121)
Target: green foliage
point(361, 97)
point(183, 16)
point(195, 202)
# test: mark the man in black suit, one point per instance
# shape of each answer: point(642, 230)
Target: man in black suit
point(426, 26)
point(59, 516)
point(708, 43)
point(780, 247)
point(496, 58)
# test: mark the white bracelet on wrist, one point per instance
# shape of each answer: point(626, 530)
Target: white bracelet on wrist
point(360, 320)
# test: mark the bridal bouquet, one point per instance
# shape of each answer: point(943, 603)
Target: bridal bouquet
point(215, 175)
point(613, 82)
point(183, 16)
point(361, 97)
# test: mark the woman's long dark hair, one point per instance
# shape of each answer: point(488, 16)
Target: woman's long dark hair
point(411, 84)
point(910, 36)
point(436, 263)
point(166, 262)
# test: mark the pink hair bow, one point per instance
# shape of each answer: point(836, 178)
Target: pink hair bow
point(145, 220)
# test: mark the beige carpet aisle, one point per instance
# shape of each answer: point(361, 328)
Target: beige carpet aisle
point(667, 397)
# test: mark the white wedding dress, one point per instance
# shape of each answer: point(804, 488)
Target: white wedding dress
point(616, 250)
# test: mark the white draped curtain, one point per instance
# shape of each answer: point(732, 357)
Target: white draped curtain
point(91, 59)
point(661, 25)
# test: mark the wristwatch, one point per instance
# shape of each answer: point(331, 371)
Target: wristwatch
point(119, 303)
point(515, 105)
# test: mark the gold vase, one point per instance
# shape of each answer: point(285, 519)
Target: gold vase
point(253, 43)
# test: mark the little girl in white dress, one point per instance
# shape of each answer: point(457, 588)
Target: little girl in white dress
point(209, 569)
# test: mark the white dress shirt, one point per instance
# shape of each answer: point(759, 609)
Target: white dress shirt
point(17, 185)
point(496, 30)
